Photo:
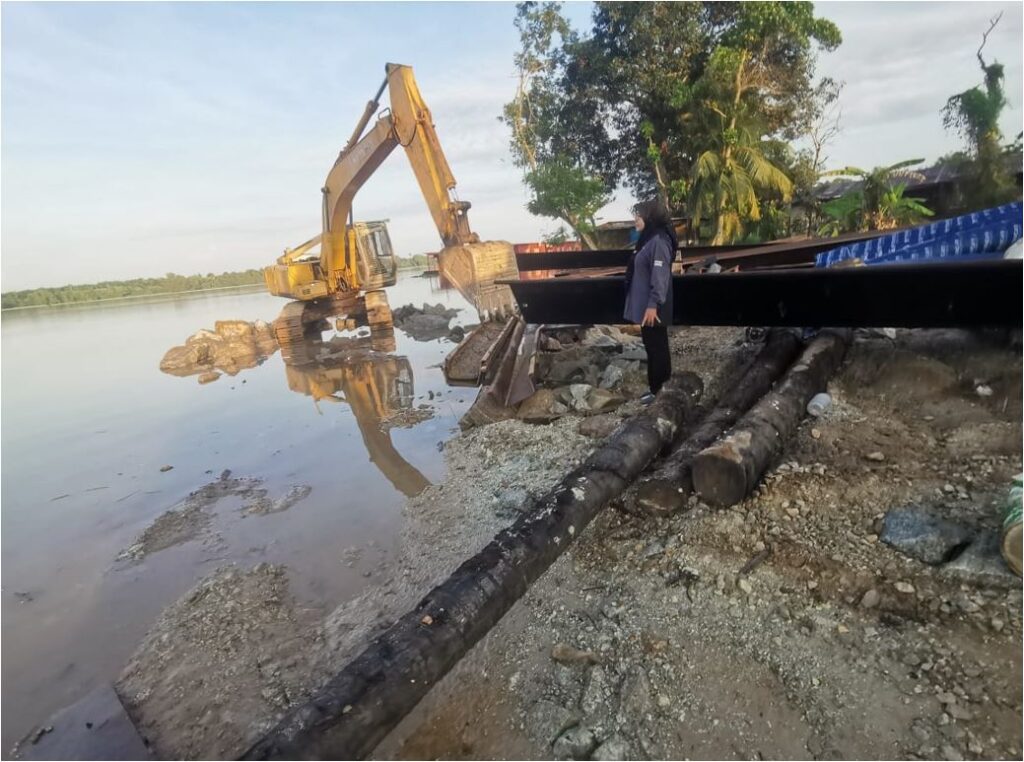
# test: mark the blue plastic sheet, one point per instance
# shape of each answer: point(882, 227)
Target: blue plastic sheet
point(978, 235)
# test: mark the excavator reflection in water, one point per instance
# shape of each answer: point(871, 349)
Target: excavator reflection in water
point(357, 371)
point(377, 387)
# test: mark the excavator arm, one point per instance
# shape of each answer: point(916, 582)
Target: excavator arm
point(409, 124)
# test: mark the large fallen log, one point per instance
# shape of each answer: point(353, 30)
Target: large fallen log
point(728, 471)
point(357, 707)
point(668, 488)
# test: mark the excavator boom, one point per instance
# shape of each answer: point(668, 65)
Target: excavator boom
point(345, 266)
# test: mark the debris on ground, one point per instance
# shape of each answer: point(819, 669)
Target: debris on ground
point(429, 323)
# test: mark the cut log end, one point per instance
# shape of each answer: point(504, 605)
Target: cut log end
point(719, 477)
point(661, 497)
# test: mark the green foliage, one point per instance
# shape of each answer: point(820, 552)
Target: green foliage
point(558, 236)
point(169, 284)
point(557, 186)
point(653, 89)
point(842, 215)
point(974, 115)
point(881, 203)
point(552, 125)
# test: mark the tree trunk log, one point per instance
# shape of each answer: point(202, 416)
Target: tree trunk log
point(357, 707)
point(728, 471)
point(668, 488)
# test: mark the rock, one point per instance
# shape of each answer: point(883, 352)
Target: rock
point(982, 562)
point(815, 434)
point(983, 390)
point(599, 426)
point(958, 712)
point(600, 400)
point(576, 396)
point(549, 720)
point(539, 407)
point(904, 587)
point(870, 599)
point(208, 377)
point(950, 753)
point(575, 743)
point(634, 351)
point(611, 376)
point(424, 326)
point(745, 586)
point(596, 692)
point(923, 535)
point(564, 654)
point(615, 748)
point(164, 469)
point(549, 343)
point(876, 456)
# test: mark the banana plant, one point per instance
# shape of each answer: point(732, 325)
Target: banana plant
point(880, 203)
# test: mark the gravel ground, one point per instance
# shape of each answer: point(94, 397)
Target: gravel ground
point(780, 628)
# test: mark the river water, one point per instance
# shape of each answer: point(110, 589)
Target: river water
point(89, 421)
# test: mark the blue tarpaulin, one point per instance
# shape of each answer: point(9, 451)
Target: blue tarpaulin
point(978, 235)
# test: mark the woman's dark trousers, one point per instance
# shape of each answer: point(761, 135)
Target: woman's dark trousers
point(659, 361)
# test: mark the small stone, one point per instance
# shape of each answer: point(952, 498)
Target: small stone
point(745, 586)
point(958, 712)
point(904, 587)
point(948, 489)
point(997, 624)
point(812, 584)
point(427, 620)
point(983, 390)
point(870, 599)
point(946, 697)
point(664, 701)
point(950, 753)
point(165, 468)
point(575, 743)
point(842, 629)
point(793, 512)
point(876, 456)
point(615, 748)
point(564, 654)
point(815, 434)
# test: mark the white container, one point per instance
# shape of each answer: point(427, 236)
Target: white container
point(819, 405)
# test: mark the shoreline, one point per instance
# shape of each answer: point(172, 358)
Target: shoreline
point(169, 295)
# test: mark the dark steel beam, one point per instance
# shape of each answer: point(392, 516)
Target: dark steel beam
point(742, 255)
point(941, 294)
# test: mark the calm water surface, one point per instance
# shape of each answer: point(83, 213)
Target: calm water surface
point(88, 422)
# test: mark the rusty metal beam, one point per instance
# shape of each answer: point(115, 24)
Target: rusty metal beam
point(941, 294)
point(742, 255)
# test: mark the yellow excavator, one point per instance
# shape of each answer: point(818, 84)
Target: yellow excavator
point(355, 259)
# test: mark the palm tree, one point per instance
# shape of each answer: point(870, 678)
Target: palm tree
point(726, 180)
point(882, 203)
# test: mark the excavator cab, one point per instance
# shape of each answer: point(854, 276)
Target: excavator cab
point(376, 261)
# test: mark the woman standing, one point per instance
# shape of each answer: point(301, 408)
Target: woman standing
point(649, 289)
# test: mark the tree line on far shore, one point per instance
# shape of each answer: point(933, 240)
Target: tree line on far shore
point(171, 283)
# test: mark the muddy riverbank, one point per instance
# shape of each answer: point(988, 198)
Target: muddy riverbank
point(780, 627)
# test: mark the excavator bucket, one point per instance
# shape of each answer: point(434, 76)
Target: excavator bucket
point(473, 267)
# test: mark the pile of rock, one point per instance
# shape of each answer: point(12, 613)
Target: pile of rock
point(429, 323)
point(586, 371)
point(232, 346)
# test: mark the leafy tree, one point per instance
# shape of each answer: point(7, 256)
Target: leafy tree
point(548, 128)
point(974, 114)
point(655, 87)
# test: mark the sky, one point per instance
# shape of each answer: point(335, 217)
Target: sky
point(145, 138)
